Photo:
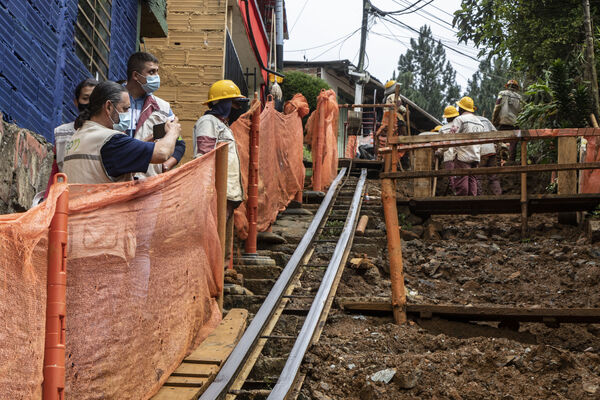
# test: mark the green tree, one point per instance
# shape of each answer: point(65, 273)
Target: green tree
point(531, 33)
point(425, 76)
point(485, 84)
point(299, 82)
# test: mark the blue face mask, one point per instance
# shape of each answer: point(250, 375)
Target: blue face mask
point(124, 121)
point(152, 83)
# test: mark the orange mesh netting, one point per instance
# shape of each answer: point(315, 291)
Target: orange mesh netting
point(351, 147)
point(322, 134)
point(23, 273)
point(281, 170)
point(144, 267)
point(591, 177)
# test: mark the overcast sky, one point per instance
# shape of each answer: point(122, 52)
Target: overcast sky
point(317, 29)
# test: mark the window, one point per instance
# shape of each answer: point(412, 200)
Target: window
point(92, 35)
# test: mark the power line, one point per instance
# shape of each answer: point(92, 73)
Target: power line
point(299, 15)
point(397, 12)
point(324, 44)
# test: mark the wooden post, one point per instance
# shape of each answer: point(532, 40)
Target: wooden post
point(434, 186)
point(524, 227)
point(252, 202)
point(56, 300)
point(567, 180)
point(221, 187)
point(590, 70)
point(388, 198)
point(318, 152)
point(362, 225)
point(391, 129)
point(422, 186)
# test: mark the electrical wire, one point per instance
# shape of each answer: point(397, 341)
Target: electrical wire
point(324, 44)
point(299, 15)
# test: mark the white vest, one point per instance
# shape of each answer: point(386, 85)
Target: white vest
point(210, 126)
point(83, 160)
point(146, 130)
point(510, 107)
point(62, 137)
point(450, 152)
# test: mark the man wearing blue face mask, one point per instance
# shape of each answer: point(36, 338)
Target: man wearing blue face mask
point(147, 109)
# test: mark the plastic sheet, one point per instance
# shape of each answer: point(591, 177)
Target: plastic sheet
point(323, 140)
point(281, 170)
point(144, 268)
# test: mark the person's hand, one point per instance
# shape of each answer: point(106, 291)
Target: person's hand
point(170, 163)
point(173, 127)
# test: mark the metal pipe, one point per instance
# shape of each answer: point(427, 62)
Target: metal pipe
point(388, 198)
point(365, 105)
point(237, 358)
point(56, 300)
point(252, 202)
point(221, 188)
point(279, 34)
point(253, 42)
point(338, 259)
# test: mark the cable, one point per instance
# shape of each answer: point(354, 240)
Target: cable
point(337, 44)
point(324, 44)
point(298, 17)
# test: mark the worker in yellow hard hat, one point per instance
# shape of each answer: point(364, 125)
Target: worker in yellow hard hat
point(437, 128)
point(466, 156)
point(448, 154)
point(507, 109)
point(224, 99)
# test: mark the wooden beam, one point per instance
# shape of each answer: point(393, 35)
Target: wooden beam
point(489, 170)
point(478, 313)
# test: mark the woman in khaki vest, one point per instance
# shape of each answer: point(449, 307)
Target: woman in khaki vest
point(99, 152)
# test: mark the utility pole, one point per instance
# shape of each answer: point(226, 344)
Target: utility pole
point(590, 59)
point(358, 92)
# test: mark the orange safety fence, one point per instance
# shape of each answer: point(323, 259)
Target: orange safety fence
point(351, 147)
point(144, 269)
point(591, 178)
point(322, 135)
point(280, 167)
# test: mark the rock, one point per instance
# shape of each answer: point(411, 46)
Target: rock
point(558, 238)
point(481, 236)
point(417, 229)
point(236, 289)
point(320, 396)
point(414, 219)
point(270, 237)
point(408, 235)
point(560, 256)
point(296, 211)
point(514, 275)
point(351, 366)
point(590, 387)
point(385, 375)
point(370, 392)
point(324, 386)
point(372, 274)
point(408, 380)
point(471, 285)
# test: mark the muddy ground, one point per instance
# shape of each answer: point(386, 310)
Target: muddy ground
point(479, 260)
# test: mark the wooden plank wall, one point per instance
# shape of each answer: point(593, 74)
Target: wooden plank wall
point(191, 58)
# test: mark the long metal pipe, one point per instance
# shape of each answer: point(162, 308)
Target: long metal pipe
point(305, 337)
point(317, 152)
point(225, 377)
point(254, 46)
point(56, 301)
point(221, 188)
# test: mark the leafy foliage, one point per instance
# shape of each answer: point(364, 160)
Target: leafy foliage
point(425, 76)
point(529, 32)
point(299, 82)
point(487, 82)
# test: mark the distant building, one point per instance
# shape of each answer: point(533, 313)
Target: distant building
point(48, 46)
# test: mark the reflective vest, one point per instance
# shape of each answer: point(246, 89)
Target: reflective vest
point(209, 131)
point(510, 107)
point(145, 129)
point(62, 137)
point(83, 160)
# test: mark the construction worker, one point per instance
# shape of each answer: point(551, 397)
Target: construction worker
point(466, 156)
point(390, 98)
point(488, 159)
point(213, 128)
point(507, 108)
point(448, 154)
point(101, 152)
point(147, 109)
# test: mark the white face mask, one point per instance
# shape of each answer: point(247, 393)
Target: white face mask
point(152, 83)
point(124, 121)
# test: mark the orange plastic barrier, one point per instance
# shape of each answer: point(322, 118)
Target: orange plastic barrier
point(322, 134)
point(280, 168)
point(591, 177)
point(23, 272)
point(144, 270)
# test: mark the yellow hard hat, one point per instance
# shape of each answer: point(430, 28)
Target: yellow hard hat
point(512, 82)
point(437, 128)
point(466, 103)
point(390, 83)
point(223, 89)
point(450, 112)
